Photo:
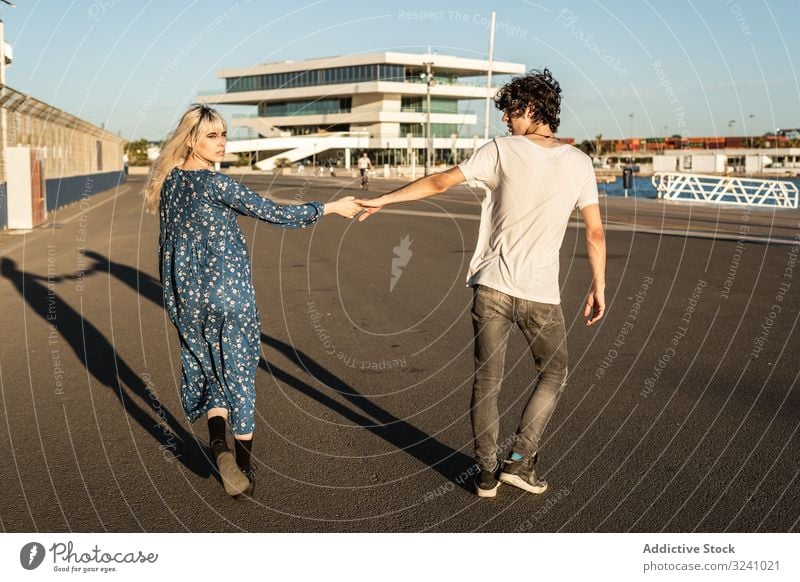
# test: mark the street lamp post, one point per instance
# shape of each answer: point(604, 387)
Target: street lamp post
point(427, 76)
point(630, 137)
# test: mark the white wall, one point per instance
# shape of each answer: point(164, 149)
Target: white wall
point(665, 163)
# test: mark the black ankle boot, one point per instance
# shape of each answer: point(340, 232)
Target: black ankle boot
point(251, 476)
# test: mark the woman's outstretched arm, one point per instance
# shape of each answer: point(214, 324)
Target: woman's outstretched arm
point(244, 201)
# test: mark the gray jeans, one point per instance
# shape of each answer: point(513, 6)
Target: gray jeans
point(542, 324)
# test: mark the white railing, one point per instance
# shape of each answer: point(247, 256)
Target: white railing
point(725, 190)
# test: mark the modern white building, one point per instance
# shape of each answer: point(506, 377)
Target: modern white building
point(375, 102)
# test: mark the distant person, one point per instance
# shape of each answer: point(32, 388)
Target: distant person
point(364, 165)
point(535, 183)
point(207, 282)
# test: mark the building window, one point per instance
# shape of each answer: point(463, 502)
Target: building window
point(438, 104)
point(312, 107)
point(437, 129)
point(329, 76)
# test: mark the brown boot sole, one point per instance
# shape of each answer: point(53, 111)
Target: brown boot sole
point(233, 479)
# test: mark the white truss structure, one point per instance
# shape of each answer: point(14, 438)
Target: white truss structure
point(725, 190)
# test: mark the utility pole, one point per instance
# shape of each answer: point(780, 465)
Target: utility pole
point(630, 137)
point(489, 77)
point(427, 76)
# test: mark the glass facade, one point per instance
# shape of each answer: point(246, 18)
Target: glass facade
point(331, 76)
point(437, 129)
point(312, 107)
point(415, 75)
point(309, 129)
point(438, 104)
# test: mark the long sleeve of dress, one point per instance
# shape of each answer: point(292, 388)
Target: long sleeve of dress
point(249, 203)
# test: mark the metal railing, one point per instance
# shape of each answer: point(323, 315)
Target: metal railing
point(725, 190)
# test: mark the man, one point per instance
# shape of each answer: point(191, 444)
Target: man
point(364, 164)
point(535, 182)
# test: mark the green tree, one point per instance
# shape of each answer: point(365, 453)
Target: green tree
point(137, 153)
point(587, 147)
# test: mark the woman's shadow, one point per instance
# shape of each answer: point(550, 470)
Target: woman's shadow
point(107, 366)
point(450, 463)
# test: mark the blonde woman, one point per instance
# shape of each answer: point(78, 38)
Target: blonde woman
point(207, 282)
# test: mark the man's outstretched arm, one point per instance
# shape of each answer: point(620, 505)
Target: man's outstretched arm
point(422, 188)
point(596, 249)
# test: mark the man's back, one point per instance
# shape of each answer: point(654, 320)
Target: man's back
point(534, 190)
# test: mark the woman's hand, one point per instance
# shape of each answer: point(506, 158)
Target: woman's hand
point(343, 207)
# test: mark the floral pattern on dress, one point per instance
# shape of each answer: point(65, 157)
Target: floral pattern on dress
point(208, 287)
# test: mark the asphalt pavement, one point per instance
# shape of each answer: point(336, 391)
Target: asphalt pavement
point(680, 413)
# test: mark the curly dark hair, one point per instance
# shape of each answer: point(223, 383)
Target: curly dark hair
point(537, 88)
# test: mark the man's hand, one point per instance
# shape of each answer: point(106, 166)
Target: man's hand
point(427, 186)
point(596, 249)
point(595, 306)
point(370, 207)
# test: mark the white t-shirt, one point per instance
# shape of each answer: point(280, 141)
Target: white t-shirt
point(533, 192)
point(363, 163)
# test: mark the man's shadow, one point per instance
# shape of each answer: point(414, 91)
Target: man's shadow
point(107, 366)
point(450, 463)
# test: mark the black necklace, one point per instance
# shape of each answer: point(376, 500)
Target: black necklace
point(541, 134)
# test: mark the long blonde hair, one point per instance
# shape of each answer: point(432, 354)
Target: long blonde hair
point(178, 146)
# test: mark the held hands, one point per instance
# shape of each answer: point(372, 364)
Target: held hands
point(595, 305)
point(349, 207)
point(369, 207)
point(346, 207)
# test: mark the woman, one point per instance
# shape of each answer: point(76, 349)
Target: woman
point(207, 282)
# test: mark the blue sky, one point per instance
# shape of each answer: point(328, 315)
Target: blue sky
point(678, 66)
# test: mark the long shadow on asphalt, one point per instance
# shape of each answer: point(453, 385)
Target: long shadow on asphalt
point(450, 463)
point(106, 365)
point(453, 465)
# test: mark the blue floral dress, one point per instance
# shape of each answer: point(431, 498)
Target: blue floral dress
point(208, 287)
